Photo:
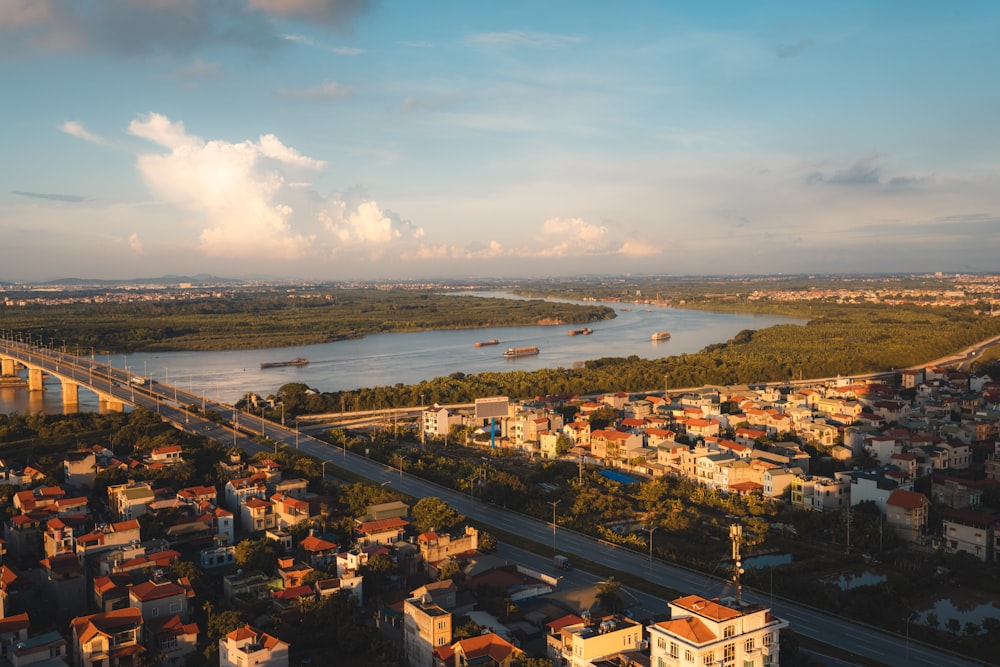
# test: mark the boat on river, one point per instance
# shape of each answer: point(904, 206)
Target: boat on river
point(297, 361)
point(515, 352)
point(661, 335)
point(491, 341)
point(586, 331)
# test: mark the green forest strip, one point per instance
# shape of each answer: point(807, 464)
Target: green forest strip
point(253, 320)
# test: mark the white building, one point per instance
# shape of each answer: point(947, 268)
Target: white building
point(708, 632)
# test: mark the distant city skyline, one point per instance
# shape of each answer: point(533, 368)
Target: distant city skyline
point(347, 139)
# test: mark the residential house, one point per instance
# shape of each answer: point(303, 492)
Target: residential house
point(109, 639)
point(708, 632)
point(160, 598)
point(907, 513)
point(820, 493)
point(488, 650)
point(257, 515)
point(381, 531)
point(238, 491)
point(970, 531)
point(80, 469)
point(435, 547)
point(130, 500)
point(13, 630)
point(43, 648)
point(172, 638)
point(248, 647)
point(318, 552)
point(426, 626)
point(583, 644)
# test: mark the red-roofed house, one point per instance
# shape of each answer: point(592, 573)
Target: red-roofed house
point(907, 513)
point(706, 632)
point(247, 646)
point(111, 638)
point(318, 552)
point(489, 650)
point(173, 638)
point(382, 531)
point(160, 599)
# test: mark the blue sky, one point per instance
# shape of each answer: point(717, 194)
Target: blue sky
point(347, 139)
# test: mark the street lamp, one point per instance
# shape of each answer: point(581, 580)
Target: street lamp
point(652, 530)
point(554, 503)
point(908, 617)
point(324, 469)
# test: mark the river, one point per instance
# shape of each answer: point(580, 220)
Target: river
point(408, 358)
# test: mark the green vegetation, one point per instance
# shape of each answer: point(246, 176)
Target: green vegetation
point(259, 319)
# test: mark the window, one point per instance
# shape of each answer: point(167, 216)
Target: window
point(168, 643)
point(729, 631)
point(175, 607)
point(710, 657)
point(661, 643)
point(750, 645)
point(729, 654)
point(748, 662)
point(441, 641)
point(674, 650)
point(688, 656)
point(767, 639)
point(441, 625)
point(154, 612)
point(660, 663)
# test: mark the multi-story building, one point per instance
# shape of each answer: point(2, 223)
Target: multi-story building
point(581, 644)
point(130, 500)
point(108, 639)
point(426, 626)
point(969, 531)
point(708, 632)
point(907, 513)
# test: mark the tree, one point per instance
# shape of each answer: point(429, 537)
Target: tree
point(256, 554)
point(487, 543)
point(609, 596)
point(432, 513)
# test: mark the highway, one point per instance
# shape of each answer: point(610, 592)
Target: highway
point(887, 648)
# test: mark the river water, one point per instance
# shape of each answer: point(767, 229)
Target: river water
point(408, 358)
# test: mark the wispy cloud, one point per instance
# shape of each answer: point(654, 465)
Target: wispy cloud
point(412, 104)
point(785, 51)
point(73, 199)
point(863, 171)
point(525, 38)
point(418, 44)
point(330, 90)
point(76, 129)
point(309, 41)
point(132, 28)
point(198, 70)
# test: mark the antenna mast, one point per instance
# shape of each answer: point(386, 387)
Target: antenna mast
point(735, 533)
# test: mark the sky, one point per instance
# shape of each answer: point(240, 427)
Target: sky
point(364, 140)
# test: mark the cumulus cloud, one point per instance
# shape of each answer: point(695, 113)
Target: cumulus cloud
point(249, 202)
point(330, 90)
point(76, 129)
point(364, 223)
point(135, 244)
point(525, 38)
point(147, 27)
point(445, 251)
point(231, 188)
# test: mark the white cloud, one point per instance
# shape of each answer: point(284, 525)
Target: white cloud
point(270, 146)
point(135, 244)
point(570, 237)
point(76, 129)
point(229, 188)
point(364, 224)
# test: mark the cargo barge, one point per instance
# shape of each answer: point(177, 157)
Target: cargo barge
point(491, 341)
point(586, 331)
point(514, 352)
point(297, 361)
point(661, 335)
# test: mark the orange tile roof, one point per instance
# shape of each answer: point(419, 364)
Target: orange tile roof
point(691, 628)
point(708, 608)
